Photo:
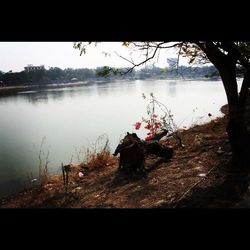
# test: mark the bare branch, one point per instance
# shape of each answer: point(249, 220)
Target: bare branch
point(144, 61)
point(125, 58)
point(178, 58)
point(171, 46)
point(147, 51)
point(155, 45)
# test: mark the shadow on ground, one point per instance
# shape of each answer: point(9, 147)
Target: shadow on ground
point(229, 189)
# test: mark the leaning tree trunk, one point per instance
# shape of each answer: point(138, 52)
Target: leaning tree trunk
point(244, 92)
point(236, 128)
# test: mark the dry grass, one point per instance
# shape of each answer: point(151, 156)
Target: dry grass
point(98, 160)
point(98, 155)
point(43, 164)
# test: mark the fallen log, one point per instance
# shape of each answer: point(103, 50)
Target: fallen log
point(158, 136)
point(155, 148)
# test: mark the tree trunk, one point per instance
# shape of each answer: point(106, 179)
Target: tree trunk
point(244, 91)
point(240, 141)
point(236, 128)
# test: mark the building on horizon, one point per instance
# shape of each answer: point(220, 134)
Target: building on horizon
point(31, 67)
point(172, 62)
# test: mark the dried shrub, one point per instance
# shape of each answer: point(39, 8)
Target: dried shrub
point(98, 155)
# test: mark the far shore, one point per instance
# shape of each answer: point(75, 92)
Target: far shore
point(14, 88)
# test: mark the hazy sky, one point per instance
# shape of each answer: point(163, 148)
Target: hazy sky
point(15, 55)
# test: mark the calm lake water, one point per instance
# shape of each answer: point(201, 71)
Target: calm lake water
point(71, 118)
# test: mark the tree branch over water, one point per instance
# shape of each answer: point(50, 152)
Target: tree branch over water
point(150, 49)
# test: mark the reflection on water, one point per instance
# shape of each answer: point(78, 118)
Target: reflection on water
point(56, 94)
point(27, 92)
point(73, 117)
point(172, 88)
point(43, 94)
point(12, 186)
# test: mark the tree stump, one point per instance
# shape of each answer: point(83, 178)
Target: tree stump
point(133, 151)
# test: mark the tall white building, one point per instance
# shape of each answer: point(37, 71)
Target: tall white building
point(31, 67)
point(172, 62)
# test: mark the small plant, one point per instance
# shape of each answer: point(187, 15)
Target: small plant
point(157, 123)
point(65, 170)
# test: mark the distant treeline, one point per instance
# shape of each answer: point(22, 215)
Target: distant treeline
point(57, 75)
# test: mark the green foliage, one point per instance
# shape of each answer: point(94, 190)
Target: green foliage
point(105, 71)
point(15, 78)
point(193, 53)
point(108, 71)
point(82, 46)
